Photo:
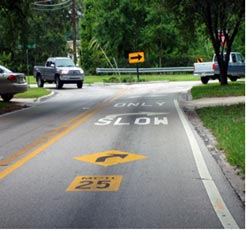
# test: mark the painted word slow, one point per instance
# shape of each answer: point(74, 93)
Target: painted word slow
point(141, 118)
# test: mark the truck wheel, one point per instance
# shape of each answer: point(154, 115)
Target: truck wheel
point(40, 81)
point(233, 78)
point(80, 85)
point(7, 97)
point(59, 84)
point(204, 80)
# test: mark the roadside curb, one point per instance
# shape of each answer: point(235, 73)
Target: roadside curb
point(189, 106)
point(46, 97)
point(34, 100)
point(213, 101)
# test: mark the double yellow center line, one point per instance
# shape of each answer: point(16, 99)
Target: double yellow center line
point(57, 134)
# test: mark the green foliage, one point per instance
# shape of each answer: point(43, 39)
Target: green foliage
point(5, 58)
point(14, 30)
point(143, 78)
point(220, 17)
point(113, 79)
point(167, 32)
point(22, 26)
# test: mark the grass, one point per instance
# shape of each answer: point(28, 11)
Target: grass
point(33, 93)
point(142, 78)
point(6, 107)
point(90, 79)
point(227, 124)
point(31, 80)
point(217, 90)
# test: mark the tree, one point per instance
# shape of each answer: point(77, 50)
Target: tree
point(222, 19)
point(159, 34)
point(48, 32)
point(116, 26)
point(14, 27)
point(89, 55)
point(23, 24)
point(121, 27)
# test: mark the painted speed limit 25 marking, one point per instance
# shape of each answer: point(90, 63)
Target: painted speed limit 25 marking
point(95, 183)
point(102, 183)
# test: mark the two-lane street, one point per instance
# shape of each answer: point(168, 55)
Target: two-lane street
point(118, 156)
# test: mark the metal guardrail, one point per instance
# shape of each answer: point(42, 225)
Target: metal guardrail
point(145, 70)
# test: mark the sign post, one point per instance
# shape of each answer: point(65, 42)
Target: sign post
point(136, 57)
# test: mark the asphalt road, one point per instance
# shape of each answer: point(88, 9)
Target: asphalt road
point(119, 156)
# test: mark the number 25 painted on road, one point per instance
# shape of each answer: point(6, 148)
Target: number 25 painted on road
point(95, 183)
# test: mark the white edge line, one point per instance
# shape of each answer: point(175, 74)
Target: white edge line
point(216, 199)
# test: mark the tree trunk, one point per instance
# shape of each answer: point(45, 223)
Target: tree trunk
point(223, 73)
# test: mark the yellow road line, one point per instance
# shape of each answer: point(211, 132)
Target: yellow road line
point(69, 126)
point(44, 138)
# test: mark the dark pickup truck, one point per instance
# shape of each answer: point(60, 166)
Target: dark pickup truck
point(59, 70)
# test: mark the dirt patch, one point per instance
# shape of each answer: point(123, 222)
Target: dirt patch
point(10, 107)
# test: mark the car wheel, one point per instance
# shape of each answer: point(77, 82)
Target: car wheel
point(59, 84)
point(7, 97)
point(80, 85)
point(40, 81)
point(204, 80)
point(233, 78)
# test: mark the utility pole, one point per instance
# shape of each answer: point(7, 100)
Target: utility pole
point(74, 31)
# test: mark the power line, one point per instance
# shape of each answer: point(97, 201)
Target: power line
point(51, 7)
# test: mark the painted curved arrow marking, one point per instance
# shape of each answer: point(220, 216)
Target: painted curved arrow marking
point(104, 158)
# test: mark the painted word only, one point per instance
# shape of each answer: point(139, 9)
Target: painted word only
point(142, 118)
point(138, 104)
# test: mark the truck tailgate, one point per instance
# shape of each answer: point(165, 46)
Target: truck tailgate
point(203, 69)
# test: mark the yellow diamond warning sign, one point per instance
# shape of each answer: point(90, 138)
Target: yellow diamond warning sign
point(109, 158)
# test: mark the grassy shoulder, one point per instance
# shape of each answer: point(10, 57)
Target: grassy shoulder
point(131, 78)
point(217, 90)
point(6, 107)
point(33, 93)
point(227, 123)
point(125, 78)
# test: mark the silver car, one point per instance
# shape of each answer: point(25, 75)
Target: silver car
point(11, 83)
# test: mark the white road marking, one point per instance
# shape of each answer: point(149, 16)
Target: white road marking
point(216, 199)
point(112, 116)
point(145, 96)
point(138, 104)
point(118, 119)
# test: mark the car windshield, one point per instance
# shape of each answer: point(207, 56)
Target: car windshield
point(66, 62)
point(4, 70)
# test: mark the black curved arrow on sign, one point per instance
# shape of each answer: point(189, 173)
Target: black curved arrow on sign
point(104, 158)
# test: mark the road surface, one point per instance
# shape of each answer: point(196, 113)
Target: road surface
point(121, 156)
